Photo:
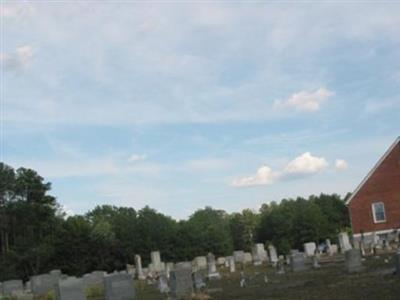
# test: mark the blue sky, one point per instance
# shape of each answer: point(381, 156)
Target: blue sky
point(182, 105)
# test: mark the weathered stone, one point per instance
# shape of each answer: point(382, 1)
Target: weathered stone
point(232, 266)
point(198, 280)
point(344, 242)
point(212, 268)
point(220, 261)
point(163, 284)
point(315, 262)
point(309, 249)
point(42, 284)
point(353, 261)
point(298, 262)
point(93, 280)
point(157, 265)
point(139, 270)
point(12, 287)
point(248, 258)
point(273, 257)
point(397, 263)
point(200, 263)
point(238, 256)
point(71, 288)
point(259, 254)
point(119, 287)
point(181, 281)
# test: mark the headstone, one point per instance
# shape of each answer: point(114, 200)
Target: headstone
point(71, 288)
point(55, 273)
point(281, 267)
point(227, 259)
point(309, 249)
point(163, 284)
point(220, 261)
point(93, 280)
point(212, 268)
point(11, 287)
point(198, 279)
point(353, 261)
point(315, 262)
point(238, 256)
point(158, 265)
point(248, 258)
point(328, 246)
point(298, 262)
point(200, 263)
point(334, 249)
point(168, 268)
point(130, 269)
point(181, 280)
point(118, 287)
point(397, 263)
point(344, 242)
point(273, 257)
point(139, 270)
point(41, 285)
point(259, 253)
point(232, 266)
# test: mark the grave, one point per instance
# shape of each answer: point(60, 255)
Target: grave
point(41, 285)
point(238, 256)
point(309, 248)
point(248, 258)
point(259, 254)
point(139, 270)
point(12, 287)
point(181, 282)
point(157, 265)
point(93, 280)
point(163, 284)
point(298, 262)
point(397, 263)
point(71, 288)
point(212, 268)
point(119, 287)
point(221, 261)
point(315, 262)
point(198, 280)
point(353, 261)
point(273, 257)
point(200, 263)
point(232, 266)
point(344, 242)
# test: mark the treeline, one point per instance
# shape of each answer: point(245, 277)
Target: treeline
point(36, 236)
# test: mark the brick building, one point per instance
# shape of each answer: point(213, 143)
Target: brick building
point(375, 204)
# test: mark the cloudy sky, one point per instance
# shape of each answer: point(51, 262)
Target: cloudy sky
point(182, 105)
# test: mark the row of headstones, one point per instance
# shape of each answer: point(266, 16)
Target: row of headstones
point(115, 286)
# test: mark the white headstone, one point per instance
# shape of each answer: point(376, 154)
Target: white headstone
point(309, 248)
point(139, 270)
point(344, 242)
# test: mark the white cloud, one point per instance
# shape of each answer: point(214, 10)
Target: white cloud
point(303, 165)
point(137, 157)
point(19, 60)
point(264, 176)
point(341, 164)
point(304, 100)
point(306, 164)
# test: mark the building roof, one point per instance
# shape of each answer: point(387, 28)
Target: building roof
point(396, 142)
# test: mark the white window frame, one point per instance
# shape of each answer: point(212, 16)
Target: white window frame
point(374, 215)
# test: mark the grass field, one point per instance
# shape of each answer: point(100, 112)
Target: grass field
point(329, 282)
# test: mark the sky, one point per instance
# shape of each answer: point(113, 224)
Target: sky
point(182, 105)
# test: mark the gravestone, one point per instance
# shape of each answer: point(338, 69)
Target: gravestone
point(198, 279)
point(334, 249)
point(212, 268)
point(163, 284)
point(248, 258)
point(232, 266)
point(118, 287)
point(238, 256)
point(157, 265)
point(169, 266)
point(56, 273)
point(130, 269)
point(281, 267)
point(200, 263)
point(11, 287)
point(353, 261)
point(70, 289)
point(309, 248)
point(227, 259)
point(315, 262)
point(344, 242)
point(397, 263)
point(41, 285)
point(181, 282)
point(139, 270)
point(298, 262)
point(273, 257)
point(259, 254)
point(93, 280)
point(220, 261)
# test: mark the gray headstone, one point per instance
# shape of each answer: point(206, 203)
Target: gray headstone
point(298, 262)
point(198, 279)
point(273, 256)
point(70, 289)
point(397, 262)
point(119, 287)
point(11, 287)
point(212, 268)
point(42, 284)
point(353, 261)
point(238, 256)
point(181, 281)
point(93, 280)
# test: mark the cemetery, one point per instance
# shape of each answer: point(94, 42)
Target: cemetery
point(308, 274)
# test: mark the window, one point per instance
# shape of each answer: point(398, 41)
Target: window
point(378, 211)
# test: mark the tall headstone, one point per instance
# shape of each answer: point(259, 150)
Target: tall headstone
point(169, 266)
point(138, 265)
point(259, 253)
point(12, 287)
point(353, 261)
point(298, 262)
point(309, 249)
point(344, 242)
point(181, 281)
point(212, 268)
point(71, 288)
point(157, 264)
point(119, 287)
point(41, 285)
point(273, 256)
point(232, 266)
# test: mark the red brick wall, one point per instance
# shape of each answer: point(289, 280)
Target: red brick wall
point(382, 186)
